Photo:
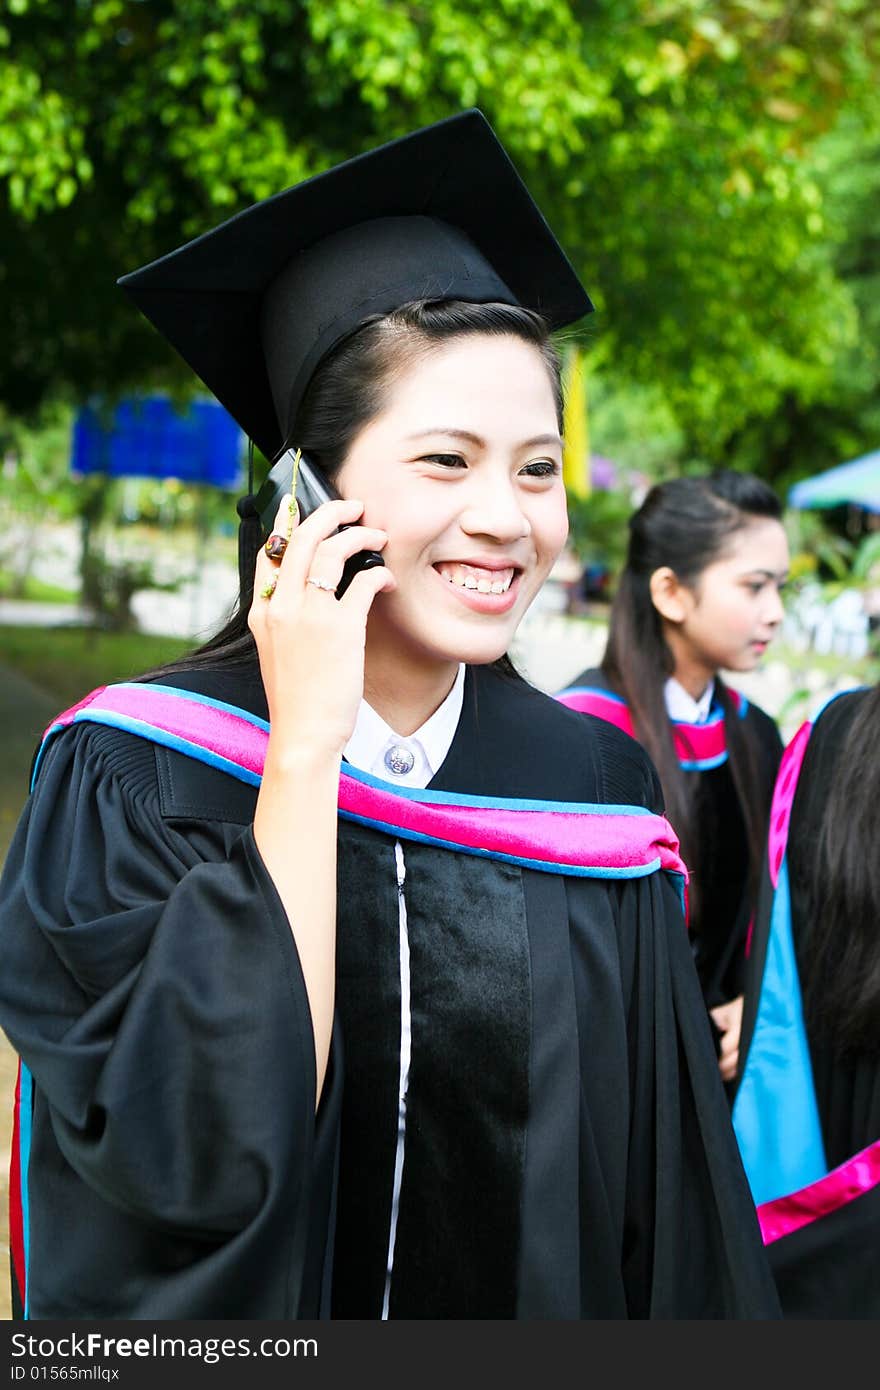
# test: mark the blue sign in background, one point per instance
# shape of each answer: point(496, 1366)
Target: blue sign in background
point(152, 438)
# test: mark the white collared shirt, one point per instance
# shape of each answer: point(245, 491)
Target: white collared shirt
point(683, 707)
point(373, 738)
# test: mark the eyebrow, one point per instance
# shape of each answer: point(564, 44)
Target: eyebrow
point(769, 574)
point(472, 438)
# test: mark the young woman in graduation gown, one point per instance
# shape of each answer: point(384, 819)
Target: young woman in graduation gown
point(349, 973)
point(700, 593)
point(807, 1109)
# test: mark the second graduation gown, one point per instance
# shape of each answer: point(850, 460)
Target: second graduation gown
point(807, 1116)
point(720, 931)
point(522, 1117)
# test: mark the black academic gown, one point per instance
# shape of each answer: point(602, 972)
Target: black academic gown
point(567, 1150)
point(829, 1268)
point(720, 925)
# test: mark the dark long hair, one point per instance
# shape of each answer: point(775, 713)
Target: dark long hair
point(347, 391)
point(841, 948)
point(685, 524)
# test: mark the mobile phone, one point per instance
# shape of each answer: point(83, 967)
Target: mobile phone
point(313, 488)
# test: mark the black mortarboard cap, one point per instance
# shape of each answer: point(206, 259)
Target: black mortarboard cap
point(256, 303)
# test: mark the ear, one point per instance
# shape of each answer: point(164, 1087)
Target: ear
point(672, 599)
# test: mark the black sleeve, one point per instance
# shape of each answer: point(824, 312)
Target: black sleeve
point(692, 1243)
point(151, 985)
point(769, 745)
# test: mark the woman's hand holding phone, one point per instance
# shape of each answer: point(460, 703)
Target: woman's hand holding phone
point(295, 472)
point(311, 650)
point(311, 646)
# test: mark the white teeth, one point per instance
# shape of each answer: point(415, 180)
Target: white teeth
point(464, 579)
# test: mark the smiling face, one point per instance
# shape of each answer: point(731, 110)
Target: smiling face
point(727, 618)
point(463, 469)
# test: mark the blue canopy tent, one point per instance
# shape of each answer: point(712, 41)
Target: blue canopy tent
point(856, 484)
point(151, 438)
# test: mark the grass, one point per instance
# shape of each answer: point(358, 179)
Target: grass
point(34, 590)
point(68, 662)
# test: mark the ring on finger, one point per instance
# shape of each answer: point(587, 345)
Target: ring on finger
point(276, 546)
point(321, 584)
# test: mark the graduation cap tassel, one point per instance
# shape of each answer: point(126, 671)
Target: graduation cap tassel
point(576, 451)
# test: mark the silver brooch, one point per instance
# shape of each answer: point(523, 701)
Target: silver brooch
point(399, 759)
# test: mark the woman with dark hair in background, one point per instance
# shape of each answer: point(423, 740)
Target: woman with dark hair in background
point(807, 1108)
point(700, 593)
point(348, 971)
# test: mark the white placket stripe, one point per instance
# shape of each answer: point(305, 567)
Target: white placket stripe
point(403, 1082)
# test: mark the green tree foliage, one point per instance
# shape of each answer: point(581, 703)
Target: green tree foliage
point(670, 142)
point(828, 417)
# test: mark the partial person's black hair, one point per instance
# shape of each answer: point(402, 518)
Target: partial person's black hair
point(840, 955)
point(685, 524)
